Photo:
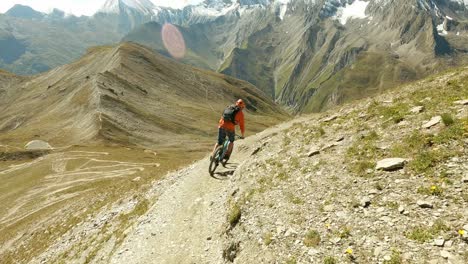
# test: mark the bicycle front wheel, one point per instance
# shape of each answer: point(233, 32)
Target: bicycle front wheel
point(215, 161)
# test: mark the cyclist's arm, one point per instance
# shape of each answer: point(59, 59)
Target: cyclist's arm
point(240, 121)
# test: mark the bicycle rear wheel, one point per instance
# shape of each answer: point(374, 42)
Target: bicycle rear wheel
point(215, 161)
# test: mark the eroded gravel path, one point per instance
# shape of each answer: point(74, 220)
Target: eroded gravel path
point(185, 224)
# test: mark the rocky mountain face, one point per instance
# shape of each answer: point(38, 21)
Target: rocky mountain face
point(309, 55)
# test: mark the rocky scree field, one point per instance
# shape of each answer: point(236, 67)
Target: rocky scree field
point(312, 193)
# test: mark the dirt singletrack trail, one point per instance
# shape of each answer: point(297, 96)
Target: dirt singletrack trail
point(185, 224)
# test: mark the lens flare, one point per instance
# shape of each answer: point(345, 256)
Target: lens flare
point(173, 41)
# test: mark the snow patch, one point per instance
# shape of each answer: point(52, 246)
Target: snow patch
point(441, 30)
point(449, 18)
point(355, 10)
point(216, 12)
point(283, 9)
point(114, 6)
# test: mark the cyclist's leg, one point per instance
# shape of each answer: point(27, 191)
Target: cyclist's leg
point(221, 137)
point(231, 135)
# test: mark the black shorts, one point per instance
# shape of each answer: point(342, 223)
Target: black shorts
point(222, 133)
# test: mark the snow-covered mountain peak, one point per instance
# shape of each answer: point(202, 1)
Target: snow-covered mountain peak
point(115, 6)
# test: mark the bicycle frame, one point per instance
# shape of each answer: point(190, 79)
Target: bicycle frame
point(225, 147)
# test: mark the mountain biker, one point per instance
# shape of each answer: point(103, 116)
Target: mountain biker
point(227, 127)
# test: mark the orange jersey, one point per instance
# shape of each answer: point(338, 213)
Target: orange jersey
point(229, 126)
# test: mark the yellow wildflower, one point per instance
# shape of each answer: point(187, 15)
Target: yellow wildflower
point(433, 188)
point(349, 251)
point(461, 232)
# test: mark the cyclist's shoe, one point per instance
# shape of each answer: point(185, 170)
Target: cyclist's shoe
point(224, 162)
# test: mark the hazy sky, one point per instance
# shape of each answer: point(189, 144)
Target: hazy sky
point(78, 7)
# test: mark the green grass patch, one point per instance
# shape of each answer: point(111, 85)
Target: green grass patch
point(395, 112)
point(329, 260)
point(425, 234)
point(447, 119)
point(267, 238)
point(363, 154)
point(294, 199)
point(234, 215)
point(312, 238)
point(432, 190)
point(395, 258)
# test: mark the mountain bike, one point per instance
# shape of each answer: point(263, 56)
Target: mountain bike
point(219, 154)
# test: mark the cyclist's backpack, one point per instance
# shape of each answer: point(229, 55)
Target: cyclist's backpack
point(230, 112)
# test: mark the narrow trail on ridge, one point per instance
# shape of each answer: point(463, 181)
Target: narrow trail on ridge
point(186, 223)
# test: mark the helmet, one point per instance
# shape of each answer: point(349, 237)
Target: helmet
point(240, 103)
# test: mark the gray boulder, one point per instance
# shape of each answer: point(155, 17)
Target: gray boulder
point(434, 121)
point(38, 145)
point(391, 164)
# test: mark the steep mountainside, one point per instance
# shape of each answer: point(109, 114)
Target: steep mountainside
point(126, 94)
point(310, 55)
point(35, 42)
point(381, 180)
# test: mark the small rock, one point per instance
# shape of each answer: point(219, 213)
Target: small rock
point(313, 152)
point(387, 258)
point(391, 164)
point(339, 139)
point(449, 243)
point(434, 121)
point(365, 202)
point(209, 238)
point(417, 109)
point(378, 251)
point(465, 180)
point(401, 209)
point(313, 252)
point(461, 102)
point(439, 242)
point(445, 254)
point(137, 179)
point(425, 204)
point(331, 118)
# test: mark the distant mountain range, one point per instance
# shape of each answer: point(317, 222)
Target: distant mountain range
point(306, 54)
